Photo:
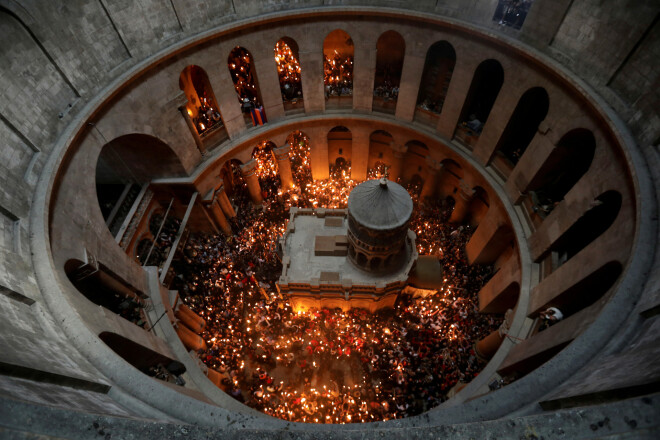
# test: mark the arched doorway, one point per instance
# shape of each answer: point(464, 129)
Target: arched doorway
point(232, 177)
point(414, 160)
point(289, 74)
point(124, 166)
point(380, 154)
point(390, 51)
point(340, 146)
point(532, 108)
point(244, 76)
point(438, 70)
point(450, 178)
point(267, 171)
point(201, 111)
point(338, 69)
point(591, 225)
point(300, 157)
point(486, 84)
point(565, 166)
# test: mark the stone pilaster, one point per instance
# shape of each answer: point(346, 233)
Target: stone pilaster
point(284, 166)
point(463, 197)
point(249, 171)
point(431, 181)
point(399, 151)
point(218, 216)
point(224, 202)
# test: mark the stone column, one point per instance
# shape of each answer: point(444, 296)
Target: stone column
point(319, 154)
point(411, 78)
point(502, 290)
point(284, 166)
point(249, 172)
point(225, 95)
point(311, 74)
point(224, 202)
point(528, 168)
point(491, 238)
point(487, 346)
point(193, 129)
point(459, 86)
point(463, 197)
point(360, 153)
point(219, 216)
point(364, 70)
point(399, 151)
point(499, 117)
point(269, 83)
point(190, 339)
point(191, 319)
point(431, 181)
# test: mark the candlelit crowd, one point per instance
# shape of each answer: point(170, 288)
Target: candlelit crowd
point(338, 74)
point(288, 71)
point(240, 69)
point(329, 366)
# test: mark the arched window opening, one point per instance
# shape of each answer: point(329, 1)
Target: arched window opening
point(479, 205)
point(244, 76)
point(486, 84)
point(300, 157)
point(361, 259)
point(340, 145)
point(267, 171)
point(568, 162)
point(201, 111)
point(414, 160)
point(380, 154)
point(415, 185)
point(375, 263)
point(587, 291)
point(102, 288)
point(232, 177)
point(605, 208)
point(390, 51)
point(144, 359)
point(124, 165)
point(532, 108)
point(288, 71)
point(438, 70)
point(338, 69)
point(450, 178)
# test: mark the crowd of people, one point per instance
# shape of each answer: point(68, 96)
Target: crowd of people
point(240, 69)
point(387, 91)
point(288, 71)
point(432, 105)
point(338, 75)
point(330, 366)
point(207, 116)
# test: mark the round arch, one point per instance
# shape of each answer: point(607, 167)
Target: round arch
point(390, 52)
point(338, 51)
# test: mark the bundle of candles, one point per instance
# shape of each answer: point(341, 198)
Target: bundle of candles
point(330, 366)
